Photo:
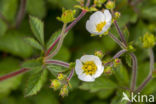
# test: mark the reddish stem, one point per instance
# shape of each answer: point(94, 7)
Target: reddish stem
point(67, 29)
point(13, 74)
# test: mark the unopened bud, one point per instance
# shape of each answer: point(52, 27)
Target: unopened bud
point(99, 54)
point(60, 76)
point(148, 40)
point(116, 62)
point(117, 15)
point(55, 84)
point(108, 70)
point(110, 5)
point(64, 91)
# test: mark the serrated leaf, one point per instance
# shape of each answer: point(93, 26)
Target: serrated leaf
point(12, 42)
point(35, 82)
point(55, 68)
point(37, 28)
point(33, 43)
point(99, 84)
point(53, 38)
point(34, 63)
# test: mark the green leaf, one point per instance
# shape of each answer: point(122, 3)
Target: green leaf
point(104, 94)
point(99, 84)
point(63, 54)
point(128, 60)
point(35, 82)
point(53, 38)
point(149, 12)
point(3, 28)
point(56, 69)
point(37, 27)
point(7, 65)
point(8, 8)
point(36, 8)
point(34, 63)
point(12, 42)
point(33, 43)
point(122, 76)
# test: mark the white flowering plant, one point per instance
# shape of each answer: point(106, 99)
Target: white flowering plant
point(116, 57)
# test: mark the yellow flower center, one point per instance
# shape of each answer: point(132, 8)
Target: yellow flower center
point(89, 68)
point(100, 26)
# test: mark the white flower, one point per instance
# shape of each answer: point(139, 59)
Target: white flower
point(88, 68)
point(99, 22)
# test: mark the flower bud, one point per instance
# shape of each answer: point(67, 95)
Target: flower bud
point(110, 5)
point(64, 91)
point(116, 62)
point(148, 40)
point(99, 3)
point(55, 84)
point(99, 54)
point(117, 15)
point(108, 71)
point(67, 16)
point(60, 76)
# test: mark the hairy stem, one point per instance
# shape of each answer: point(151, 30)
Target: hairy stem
point(21, 13)
point(57, 62)
point(62, 36)
point(117, 55)
point(134, 71)
point(13, 74)
point(149, 77)
point(120, 33)
point(116, 40)
point(71, 74)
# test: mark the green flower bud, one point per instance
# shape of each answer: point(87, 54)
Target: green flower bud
point(110, 5)
point(67, 16)
point(108, 70)
point(117, 15)
point(116, 62)
point(60, 76)
point(99, 3)
point(55, 84)
point(148, 40)
point(64, 91)
point(99, 54)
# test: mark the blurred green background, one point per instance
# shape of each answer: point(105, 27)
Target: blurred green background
point(135, 21)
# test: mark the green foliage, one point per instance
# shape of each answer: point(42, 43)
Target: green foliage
point(37, 27)
point(7, 65)
point(36, 8)
point(12, 42)
point(56, 69)
point(8, 9)
point(33, 43)
point(3, 28)
point(53, 37)
point(100, 84)
point(35, 82)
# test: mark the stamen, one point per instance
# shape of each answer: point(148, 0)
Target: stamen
point(100, 26)
point(89, 68)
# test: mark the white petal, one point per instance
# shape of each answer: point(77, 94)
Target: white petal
point(108, 15)
point(90, 26)
point(97, 17)
point(78, 67)
point(86, 58)
point(86, 78)
point(99, 71)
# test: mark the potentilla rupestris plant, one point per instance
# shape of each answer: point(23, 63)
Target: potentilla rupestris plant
point(88, 67)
